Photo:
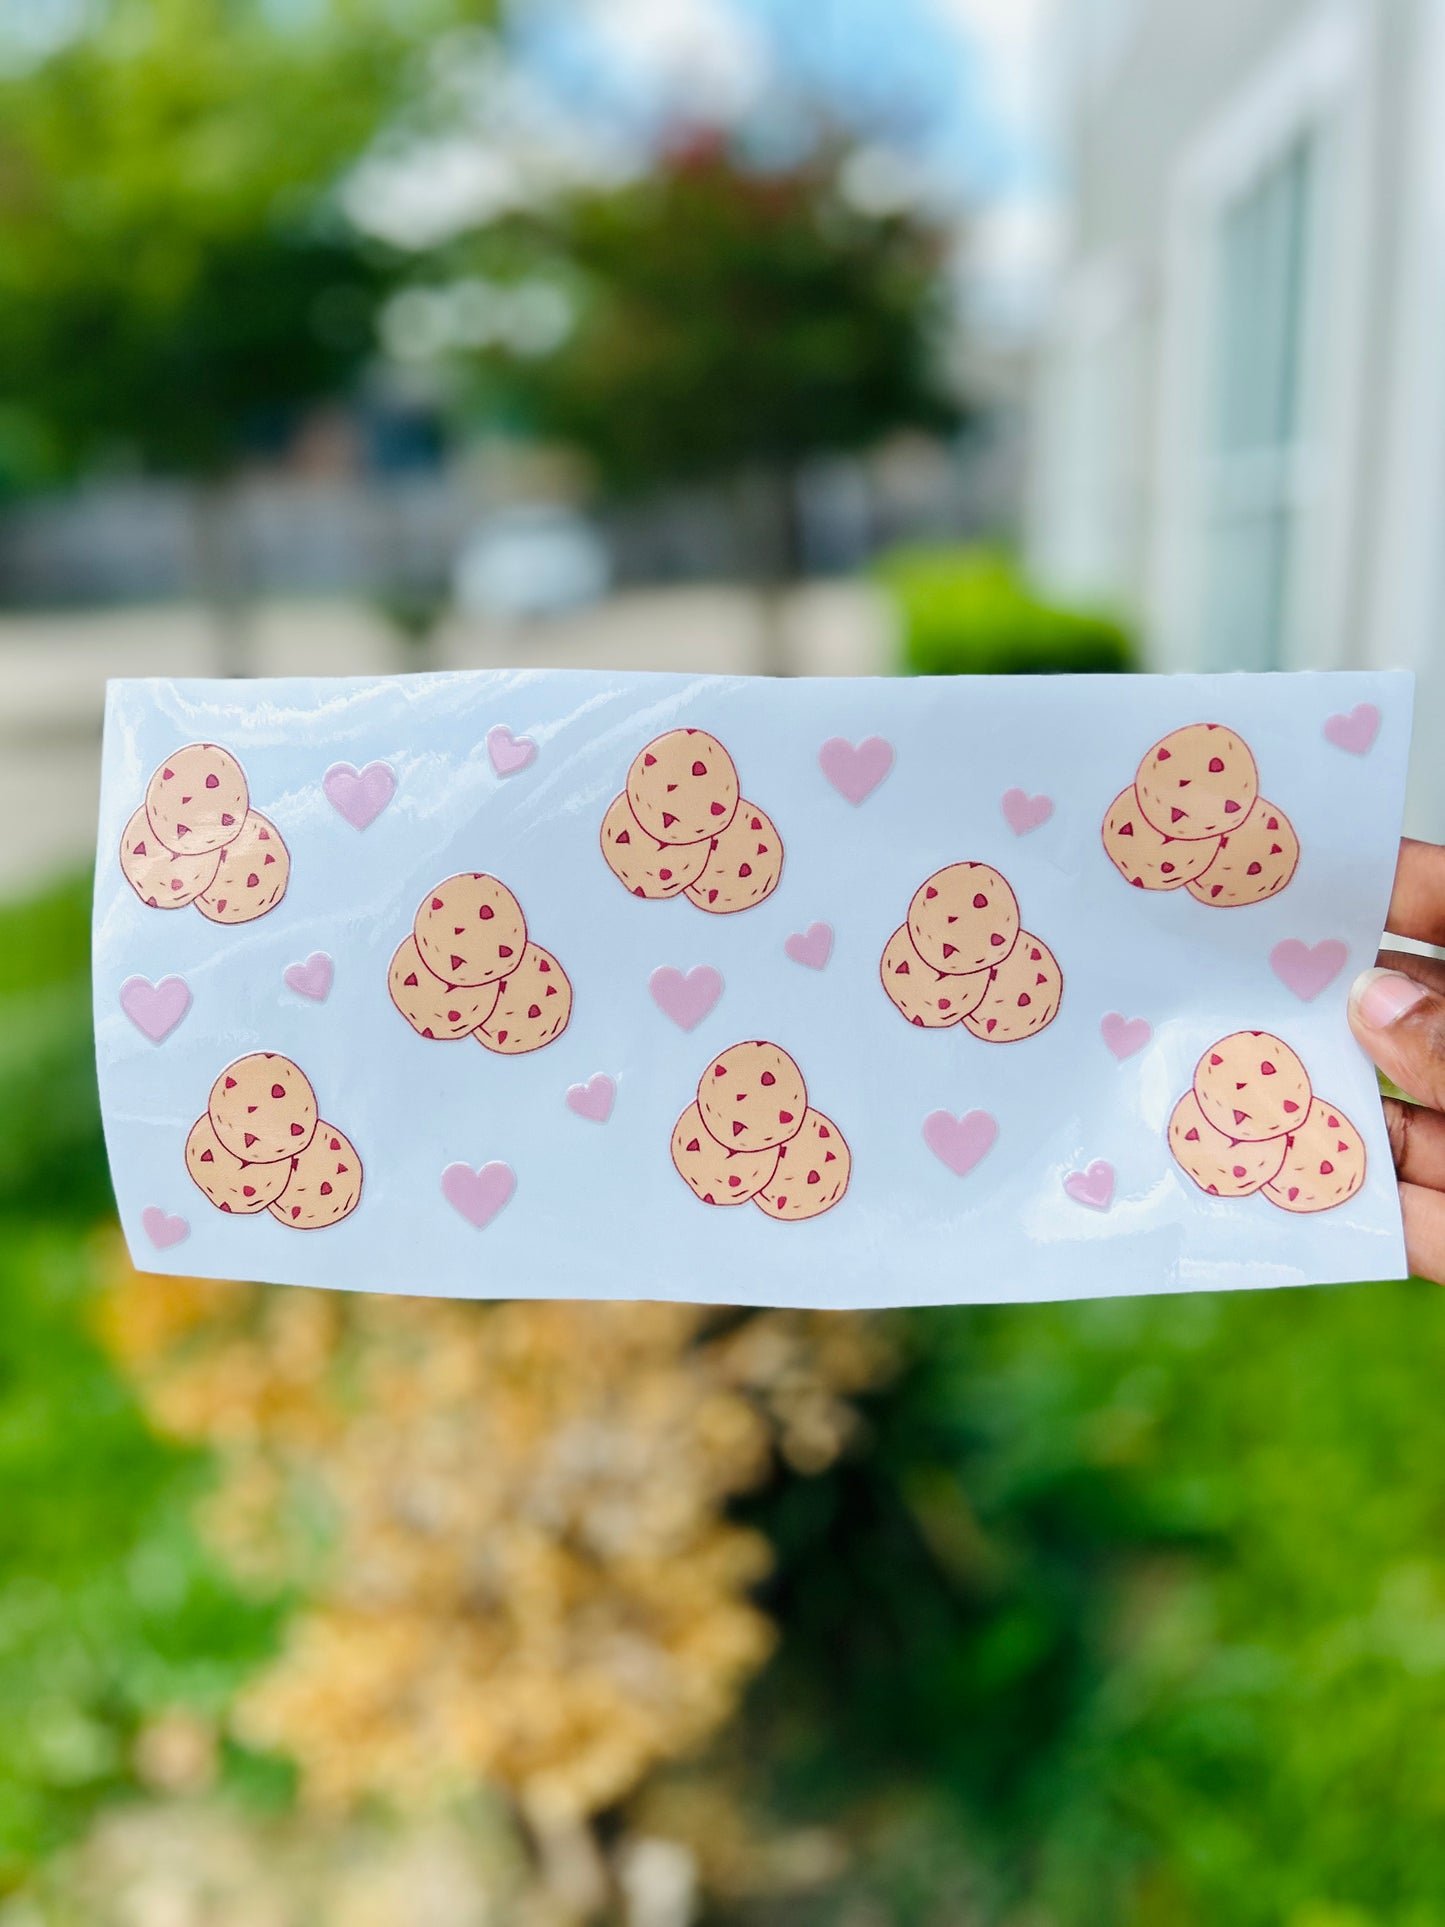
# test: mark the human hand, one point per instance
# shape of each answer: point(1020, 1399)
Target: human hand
point(1397, 1011)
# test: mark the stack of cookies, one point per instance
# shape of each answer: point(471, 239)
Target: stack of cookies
point(683, 828)
point(196, 839)
point(1193, 819)
point(260, 1146)
point(469, 969)
point(750, 1135)
point(1251, 1122)
point(962, 958)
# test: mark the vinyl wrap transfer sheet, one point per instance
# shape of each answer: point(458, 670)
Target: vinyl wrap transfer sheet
point(832, 993)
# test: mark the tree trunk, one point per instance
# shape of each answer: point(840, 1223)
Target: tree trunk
point(770, 534)
point(220, 574)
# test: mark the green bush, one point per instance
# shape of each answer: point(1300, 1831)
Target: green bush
point(969, 612)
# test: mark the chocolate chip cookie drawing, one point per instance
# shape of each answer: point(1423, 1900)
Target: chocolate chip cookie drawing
point(1193, 819)
point(1250, 1123)
point(751, 1136)
point(197, 840)
point(681, 826)
point(469, 968)
point(963, 958)
point(261, 1145)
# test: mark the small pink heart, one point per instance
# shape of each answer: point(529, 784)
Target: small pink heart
point(155, 1009)
point(509, 753)
point(163, 1231)
point(310, 979)
point(360, 795)
point(1023, 813)
point(959, 1142)
point(1356, 731)
point(812, 946)
point(478, 1195)
point(686, 1000)
point(1306, 969)
point(855, 770)
point(1125, 1035)
point(1094, 1187)
point(593, 1099)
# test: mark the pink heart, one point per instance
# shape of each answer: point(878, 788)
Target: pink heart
point(162, 1231)
point(509, 753)
point(310, 979)
point(1023, 813)
point(812, 946)
point(155, 1009)
point(360, 795)
point(1094, 1187)
point(593, 1099)
point(1355, 732)
point(478, 1195)
point(855, 770)
point(959, 1142)
point(1125, 1035)
point(1306, 970)
point(686, 1000)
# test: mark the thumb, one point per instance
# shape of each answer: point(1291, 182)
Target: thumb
point(1401, 1024)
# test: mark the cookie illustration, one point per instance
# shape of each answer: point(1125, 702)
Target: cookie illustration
point(812, 1174)
point(161, 879)
point(1223, 1166)
point(263, 1108)
point(683, 787)
point(929, 998)
point(229, 1182)
point(1197, 781)
point(443, 1012)
point(1252, 1085)
point(252, 877)
point(197, 800)
point(1023, 994)
point(715, 1174)
point(325, 1183)
point(1253, 863)
point(1145, 858)
point(533, 1005)
point(1324, 1162)
point(470, 929)
point(744, 863)
point(752, 1097)
point(646, 867)
point(963, 918)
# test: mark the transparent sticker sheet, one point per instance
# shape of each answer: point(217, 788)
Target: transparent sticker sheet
point(824, 993)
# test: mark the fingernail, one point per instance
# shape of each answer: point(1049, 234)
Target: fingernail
point(1380, 998)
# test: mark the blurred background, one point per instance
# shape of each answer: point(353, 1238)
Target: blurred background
point(794, 336)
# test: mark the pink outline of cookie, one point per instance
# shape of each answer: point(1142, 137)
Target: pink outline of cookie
point(241, 890)
point(1252, 864)
point(155, 1009)
point(1323, 1142)
point(1308, 969)
point(856, 769)
point(440, 1012)
point(1354, 731)
point(720, 1176)
point(231, 1184)
point(1252, 1086)
point(161, 879)
point(508, 753)
point(811, 947)
point(963, 918)
point(1143, 857)
point(744, 864)
point(802, 1187)
point(524, 1017)
point(645, 868)
point(686, 999)
point(1223, 1167)
point(1125, 1035)
point(761, 1075)
point(1221, 778)
point(470, 929)
point(960, 1142)
point(312, 1171)
point(359, 795)
point(479, 1195)
point(206, 815)
point(655, 780)
point(930, 999)
point(162, 1228)
point(1023, 812)
point(1094, 1186)
point(310, 979)
point(594, 1099)
point(1023, 995)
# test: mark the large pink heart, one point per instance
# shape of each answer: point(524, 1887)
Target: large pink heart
point(812, 946)
point(959, 1142)
point(1306, 969)
point(1094, 1187)
point(1125, 1035)
point(360, 795)
point(685, 999)
point(478, 1195)
point(163, 1231)
point(1023, 813)
point(310, 979)
point(155, 1009)
point(509, 753)
point(593, 1099)
point(1356, 731)
point(855, 769)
